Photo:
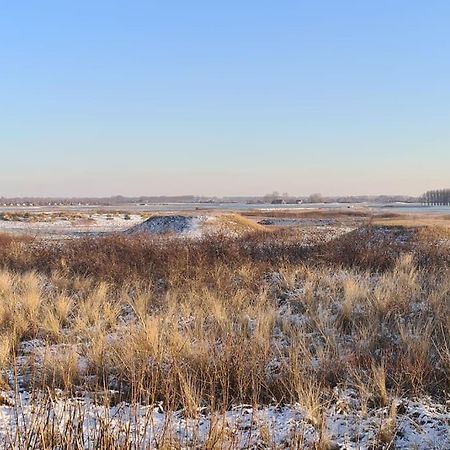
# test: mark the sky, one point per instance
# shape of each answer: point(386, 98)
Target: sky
point(217, 98)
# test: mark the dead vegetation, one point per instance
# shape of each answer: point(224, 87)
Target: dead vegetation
point(41, 216)
point(203, 325)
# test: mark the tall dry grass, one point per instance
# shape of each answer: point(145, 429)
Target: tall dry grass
point(202, 326)
point(240, 338)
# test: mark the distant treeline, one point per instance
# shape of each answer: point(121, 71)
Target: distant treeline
point(143, 200)
point(440, 197)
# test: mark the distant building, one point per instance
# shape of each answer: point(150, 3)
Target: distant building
point(278, 201)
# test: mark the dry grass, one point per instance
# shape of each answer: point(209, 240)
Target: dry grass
point(214, 339)
point(237, 223)
point(214, 323)
point(413, 221)
point(40, 216)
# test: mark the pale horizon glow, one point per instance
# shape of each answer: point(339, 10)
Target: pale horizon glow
point(224, 98)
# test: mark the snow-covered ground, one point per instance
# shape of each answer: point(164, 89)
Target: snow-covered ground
point(58, 227)
point(414, 424)
point(191, 226)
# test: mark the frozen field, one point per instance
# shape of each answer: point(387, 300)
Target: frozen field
point(72, 221)
point(71, 224)
point(54, 225)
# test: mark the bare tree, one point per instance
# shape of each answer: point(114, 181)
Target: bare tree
point(315, 198)
point(440, 197)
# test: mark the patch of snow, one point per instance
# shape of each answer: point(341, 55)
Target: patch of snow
point(180, 225)
point(420, 423)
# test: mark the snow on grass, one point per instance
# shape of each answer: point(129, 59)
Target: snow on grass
point(418, 423)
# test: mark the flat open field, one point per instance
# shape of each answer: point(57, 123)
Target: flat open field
point(68, 222)
point(209, 329)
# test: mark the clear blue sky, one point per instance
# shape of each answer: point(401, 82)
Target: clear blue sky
point(224, 97)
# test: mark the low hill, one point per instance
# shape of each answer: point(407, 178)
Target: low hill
point(196, 226)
